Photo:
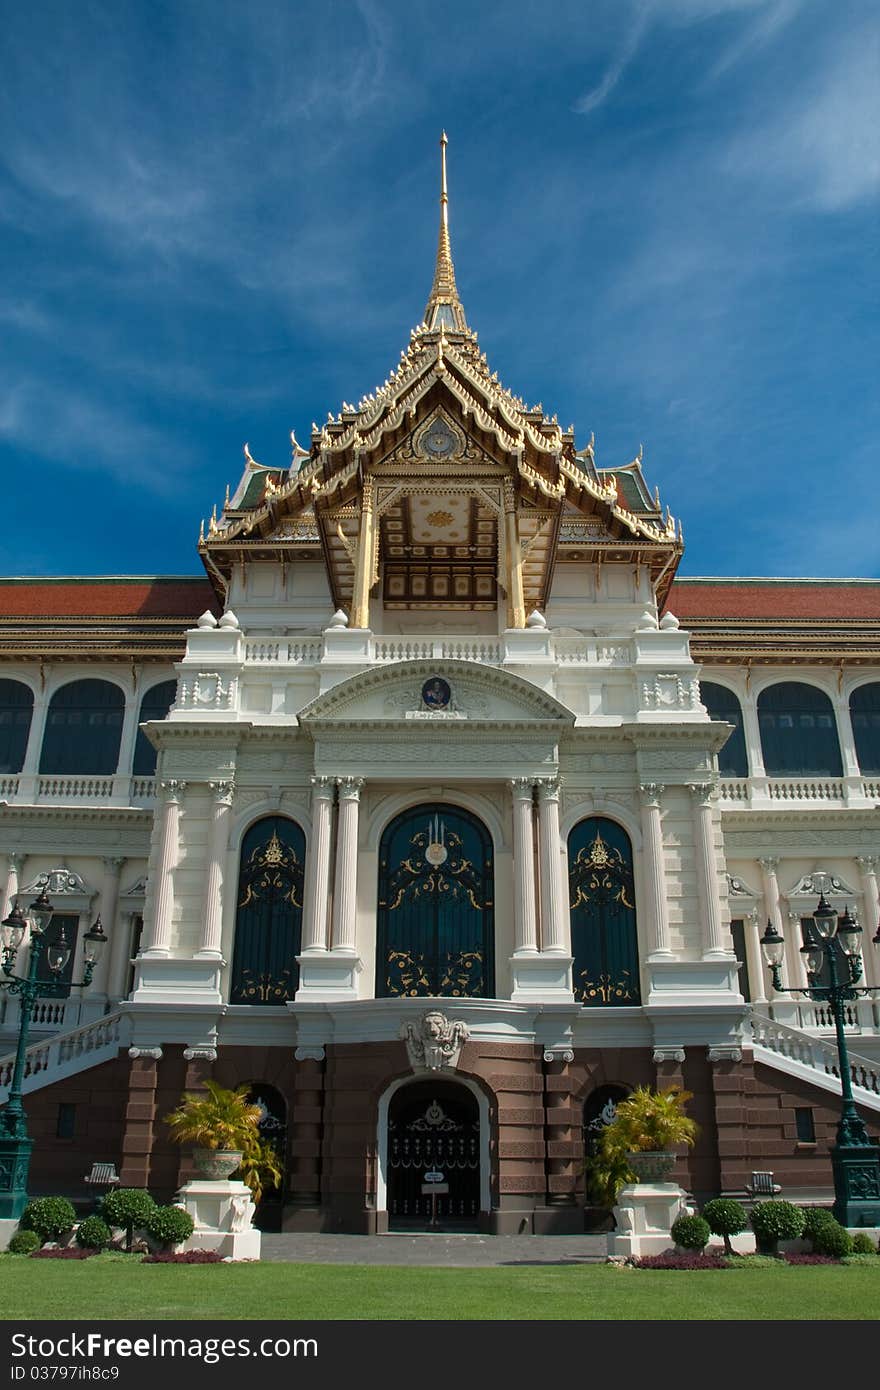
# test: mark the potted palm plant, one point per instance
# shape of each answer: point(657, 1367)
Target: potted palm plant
point(646, 1130)
point(222, 1124)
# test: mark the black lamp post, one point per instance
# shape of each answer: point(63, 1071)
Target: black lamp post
point(855, 1161)
point(15, 1144)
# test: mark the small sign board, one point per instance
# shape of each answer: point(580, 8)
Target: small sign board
point(434, 1175)
point(435, 1189)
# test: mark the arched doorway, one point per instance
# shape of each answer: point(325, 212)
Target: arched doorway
point(433, 1128)
point(273, 1130)
point(436, 911)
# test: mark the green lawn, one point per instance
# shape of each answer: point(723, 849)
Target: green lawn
point(122, 1288)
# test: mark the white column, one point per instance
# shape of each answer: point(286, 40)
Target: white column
point(707, 872)
point(871, 914)
point(127, 737)
point(15, 864)
point(318, 867)
point(794, 971)
point(159, 939)
point(754, 959)
point(27, 782)
point(109, 903)
point(752, 731)
point(555, 923)
point(212, 908)
point(655, 870)
point(524, 905)
point(846, 738)
point(345, 883)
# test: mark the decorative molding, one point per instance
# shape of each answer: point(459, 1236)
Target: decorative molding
point(558, 1054)
point(738, 888)
point(725, 1054)
point(868, 863)
point(223, 792)
point(323, 788)
point(702, 792)
point(349, 788)
point(206, 1054)
point(309, 1054)
point(173, 789)
point(651, 792)
point(668, 1054)
point(58, 883)
point(819, 881)
point(548, 788)
point(153, 1052)
point(434, 1044)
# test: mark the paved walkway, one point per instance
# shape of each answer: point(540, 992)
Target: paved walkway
point(441, 1250)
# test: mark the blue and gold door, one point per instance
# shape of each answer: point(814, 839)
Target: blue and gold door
point(436, 912)
point(604, 938)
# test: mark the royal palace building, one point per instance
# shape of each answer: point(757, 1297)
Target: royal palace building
point(442, 813)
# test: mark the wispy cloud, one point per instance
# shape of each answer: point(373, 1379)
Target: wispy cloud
point(619, 63)
point(819, 147)
point(81, 434)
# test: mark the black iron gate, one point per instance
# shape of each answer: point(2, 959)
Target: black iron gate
point(433, 1129)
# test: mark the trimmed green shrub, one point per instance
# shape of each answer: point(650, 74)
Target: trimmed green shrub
point(859, 1259)
point(726, 1218)
point(814, 1219)
point(735, 1261)
point(775, 1221)
point(127, 1208)
point(24, 1243)
point(833, 1240)
point(50, 1217)
point(862, 1244)
point(93, 1234)
point(169, 1225)
point(690, 1232)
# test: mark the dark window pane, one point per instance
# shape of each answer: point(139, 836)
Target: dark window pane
point(65, 1126)
point(16, 708)
point(806, 1129)
point(83, 729)
point(155, 705)
point(723, 705)
point(864, 706)
point(798, 731)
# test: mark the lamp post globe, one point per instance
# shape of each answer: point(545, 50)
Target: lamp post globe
point(832, 951)
point(15, 1142)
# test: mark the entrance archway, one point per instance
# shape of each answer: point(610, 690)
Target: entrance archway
point(433, 1128)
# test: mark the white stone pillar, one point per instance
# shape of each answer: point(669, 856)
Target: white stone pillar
point(555, 922)
point(345, 882)
point(754, 959)
point(655, 870)
point(707, 872)
point(752, 731)
point(15, 864)
point(127, 737)
point(109, 904)
point(317, 882)
point(159, 940)
point(212, 908)
point(794, 974)
point(845, 737)
point(870, 915)
point(524, 904)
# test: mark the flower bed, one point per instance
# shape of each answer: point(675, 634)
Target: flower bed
point(187, 1257)
point(66, 1252)
point(671, 1259)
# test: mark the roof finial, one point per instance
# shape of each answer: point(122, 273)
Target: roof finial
point(444, 306)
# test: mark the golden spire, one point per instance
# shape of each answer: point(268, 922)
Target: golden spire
point(444, 306)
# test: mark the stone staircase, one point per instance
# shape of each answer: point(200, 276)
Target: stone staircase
point(65, 1054)
point(812, 1059)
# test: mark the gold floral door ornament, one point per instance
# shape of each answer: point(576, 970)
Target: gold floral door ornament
point(268, 924)
point(603, 914)
point(436, 907)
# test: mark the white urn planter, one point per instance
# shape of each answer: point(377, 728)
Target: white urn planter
point(216, 1164)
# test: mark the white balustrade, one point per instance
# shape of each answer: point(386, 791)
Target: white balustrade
point(62, 1053)
point(143, 789)
point(8, 787)
point(75, 788)
point(789, 789)
point(811, 1051)
point(733, 789)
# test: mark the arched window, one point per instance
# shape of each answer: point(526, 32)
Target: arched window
point(268, 921)
point(604, 941)
point(16, 708)
point(798, 731)
point(722, 704)
point(83, 729)
point(155, 705)
point(864, 708)
point(436, 917)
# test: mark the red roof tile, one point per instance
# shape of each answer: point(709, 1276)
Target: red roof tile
point(766, 599)
point(147, 597)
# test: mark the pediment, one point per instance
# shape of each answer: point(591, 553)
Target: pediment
point(393, 694)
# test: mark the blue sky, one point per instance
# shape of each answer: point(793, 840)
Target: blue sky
point(218, 221)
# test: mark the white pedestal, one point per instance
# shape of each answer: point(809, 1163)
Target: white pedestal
point(8, 1228)
point(326, 977)
point(223, 1215)
point(541, 977)
point(644, 1215)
